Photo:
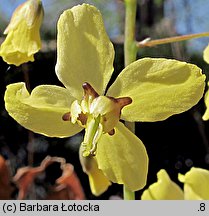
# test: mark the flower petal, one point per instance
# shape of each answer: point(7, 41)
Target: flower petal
point(84, 51)
point(159, 88)
point(206, 54)
point(163, 189)
point(123, 158)
point(97, 180)
point(41, 111)
point(206, 99)
point(11, 54)
point(196, 184)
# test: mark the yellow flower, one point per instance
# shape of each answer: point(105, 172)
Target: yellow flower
point(163, 189)
point(147, 90)
point(23, 39)
point(196, 184)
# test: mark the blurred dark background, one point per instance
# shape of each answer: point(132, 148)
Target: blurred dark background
point(176, 144)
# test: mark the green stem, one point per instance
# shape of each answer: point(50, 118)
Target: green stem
point(130, 52)
point(30, 148)
point(130, 48)
point(127, 194)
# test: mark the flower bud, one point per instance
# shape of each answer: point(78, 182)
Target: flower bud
point(23, 37)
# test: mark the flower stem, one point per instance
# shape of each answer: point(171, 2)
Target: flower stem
point(30, 133)
point(130, 48)
point(127, 194)
point(130, 52)
point(150, 43)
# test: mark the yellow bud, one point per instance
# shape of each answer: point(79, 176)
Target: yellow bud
point(23, 39)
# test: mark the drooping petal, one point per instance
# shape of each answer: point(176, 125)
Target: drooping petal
point(123, 158)
point(23, 39)
point(163, 189)
point(84, 51)
point(97, 180)
point(42, 110)
point(206, 99)
point(196, 184)
point(159, 88)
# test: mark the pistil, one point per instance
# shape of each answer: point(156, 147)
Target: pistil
point(93, 132)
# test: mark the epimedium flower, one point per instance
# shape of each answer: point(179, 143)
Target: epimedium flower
point(163, 189)
point(23, 37)
point(147, 90)
point(196, 184)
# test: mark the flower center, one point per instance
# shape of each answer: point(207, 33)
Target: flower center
point(97, 114)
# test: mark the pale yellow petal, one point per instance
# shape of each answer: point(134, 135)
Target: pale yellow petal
point(206, 99)
point(31, 11)
point(206, 54)
point(196, 184)
point(123, 158)
point(159, 88)
point(42, 110)
point(11, 54)
point(97, 180)
point(163, 189)
point(99, 183)
point(84, 51)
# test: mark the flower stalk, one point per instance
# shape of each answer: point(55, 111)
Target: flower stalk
point(130, 48)
point(150, 43)
point(130, 52)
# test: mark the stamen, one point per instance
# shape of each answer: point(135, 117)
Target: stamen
point(89, 90)
point(93, 132)
point(96, 139)
point(66, 117)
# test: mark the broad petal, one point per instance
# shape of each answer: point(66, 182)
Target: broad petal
point(123, 158)
point(163, 189)
point(196, 184)
point(84, 51)
point(42, 110)
point(159, 88)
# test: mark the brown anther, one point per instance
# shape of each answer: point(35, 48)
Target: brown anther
point(89, 90)
point(66, 117)
point(112, 132)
